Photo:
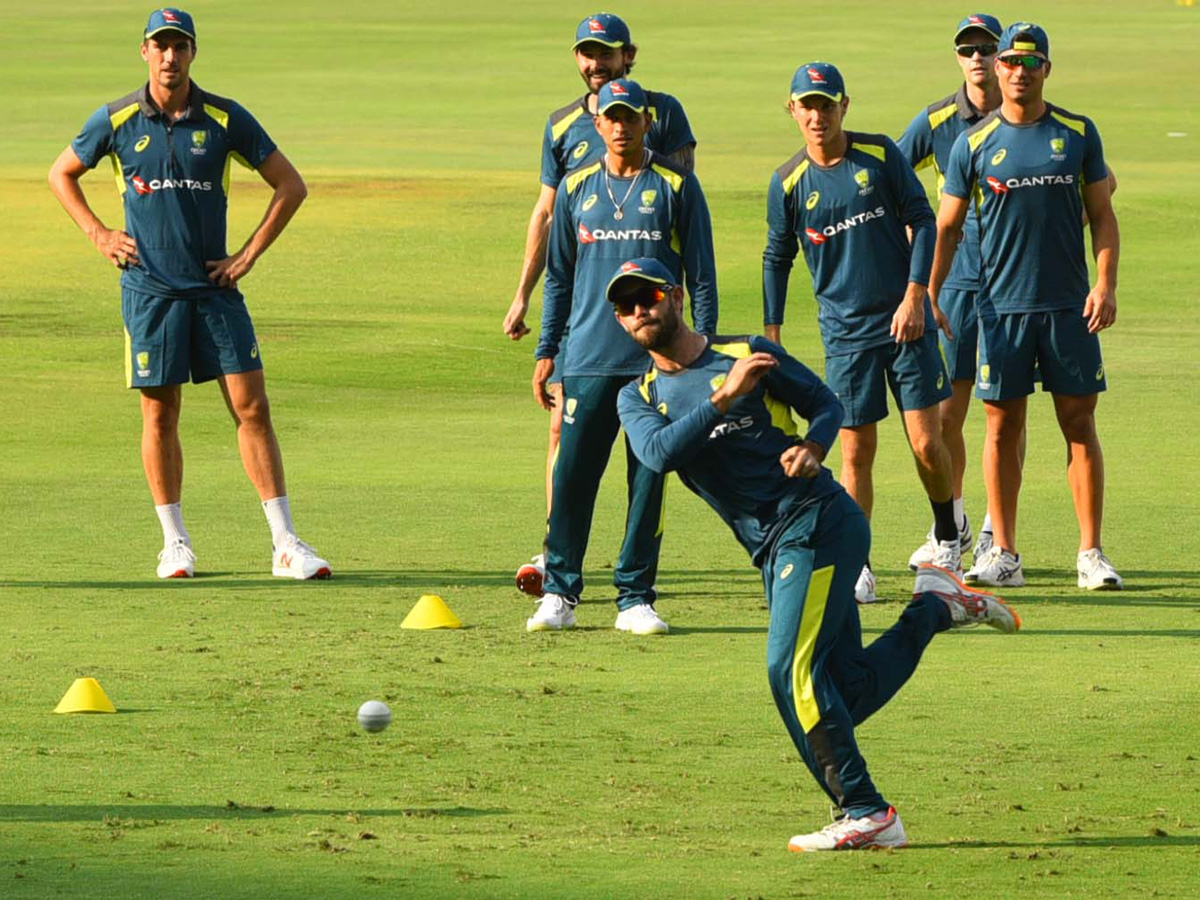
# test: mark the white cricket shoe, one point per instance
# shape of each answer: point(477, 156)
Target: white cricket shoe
point(532, 575)
point(554, 613)
point(1096, 571)
point(864, 589)
point(984, 544)
point(177, 560)
point(967, 607)
point(948, 556)
point(996, 568)
point(867, 833)
point(641, 619)
point(925, 553)
point(295, 559)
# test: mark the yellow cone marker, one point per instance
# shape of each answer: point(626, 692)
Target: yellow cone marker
point(431, 611)
point(85, 695)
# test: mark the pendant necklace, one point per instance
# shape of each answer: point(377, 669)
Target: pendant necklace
point(618, 214)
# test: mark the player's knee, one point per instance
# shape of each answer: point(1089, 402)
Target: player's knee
point(254, 411)
point(859, 454)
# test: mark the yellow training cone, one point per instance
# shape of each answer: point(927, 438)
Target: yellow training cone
point(85, 695)
point(431, 611)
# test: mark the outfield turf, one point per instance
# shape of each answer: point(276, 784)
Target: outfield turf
point(1064, 761)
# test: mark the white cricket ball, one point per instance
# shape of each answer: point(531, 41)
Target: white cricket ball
point(374, 715)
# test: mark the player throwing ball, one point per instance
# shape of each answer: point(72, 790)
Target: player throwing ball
point(719, 412)
point(171, 144)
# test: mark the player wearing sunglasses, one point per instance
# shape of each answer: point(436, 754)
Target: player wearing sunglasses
point(1031, 169)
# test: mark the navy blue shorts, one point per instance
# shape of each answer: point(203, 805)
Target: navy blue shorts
point(962, 350)
point(1014, 348)
point(914, 372)
point(168, 341)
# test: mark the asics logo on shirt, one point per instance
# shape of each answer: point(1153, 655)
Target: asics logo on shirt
point(820, 237)
point(1003, 187)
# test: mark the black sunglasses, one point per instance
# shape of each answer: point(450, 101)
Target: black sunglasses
point(1028, 60)
point(969, 50)
point(645, 296)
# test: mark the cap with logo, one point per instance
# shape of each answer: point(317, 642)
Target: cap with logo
point(983, 22)
point(621, 92)
point(818, 78)
point(1025, 37)
point(643, 269)
point(170, 19)
point(603, 28)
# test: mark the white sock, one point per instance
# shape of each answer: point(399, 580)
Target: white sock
point(960, 514)
point(279, 517)
point(987, 523)
point(170, 516)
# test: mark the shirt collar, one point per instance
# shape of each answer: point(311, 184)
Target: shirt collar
point(195, 107)
point(966, 109)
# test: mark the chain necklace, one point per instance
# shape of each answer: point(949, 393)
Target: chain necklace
point(618, 214)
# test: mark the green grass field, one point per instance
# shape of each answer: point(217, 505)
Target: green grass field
point(1064, 761)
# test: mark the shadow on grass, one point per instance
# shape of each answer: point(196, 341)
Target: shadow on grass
point(421, 578)
point(162, 812)
point(1166, 841)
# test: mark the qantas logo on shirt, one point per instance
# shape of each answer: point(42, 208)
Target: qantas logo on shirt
point(730, 427)
point(625, 234)
point(820, 237)
point(168, 184)
point(1003, 187)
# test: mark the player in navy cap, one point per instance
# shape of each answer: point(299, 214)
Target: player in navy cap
point(847, 198)
point(171, 144)
point(1031, 169)
point(604, 50)
point(927, 142)
point(723, 412)
point(632, 202)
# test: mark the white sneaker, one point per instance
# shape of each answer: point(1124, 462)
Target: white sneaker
point(948, 556)
point(177, 561)
point(641, 619)
point(867, 833)
point(997, 568)
point(967, 607)
point(554, 613)
point(984, 544)
point(1096, 571)
point(925, 553)
point(295, 559)
point(864, 589)
point(532, 575)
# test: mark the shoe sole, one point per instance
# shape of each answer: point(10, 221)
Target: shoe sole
point(181, 573)
point(322, 574)
point(545, 626)
point(666, 630)
point(1012, 612)
point(529, 581)
point(1104, 586)
point(872, 846)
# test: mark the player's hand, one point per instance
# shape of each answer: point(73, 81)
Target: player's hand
point(541, 374)
point(772, 334)
point(1100, 308)
point(802, 460)
point(118, 248)
point(514, 321)
point(908, 324)
point(743, 378)
point(226, 272)
point(943, 321)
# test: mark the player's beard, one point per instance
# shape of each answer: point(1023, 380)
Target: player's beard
point(658, 334)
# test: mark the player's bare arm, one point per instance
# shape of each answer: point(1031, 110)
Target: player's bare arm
point(535, 262)
point(952, 213)
point(908, 324)
point(1100, 308)
point(290, 191)
point(686, 157)
point(744, 377)
point(115, 245)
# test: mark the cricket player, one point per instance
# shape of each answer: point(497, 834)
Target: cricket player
point(848, 199)
point(630, 202)
point(604, 50)
point(722, 413)
point(1031, 169)
point(927, 142)
point(171, 144)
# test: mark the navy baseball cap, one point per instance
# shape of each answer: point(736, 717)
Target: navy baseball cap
point(643, 269)
point(603, 28)
point(982, 21)
point(621, 92)
point(818, 78)
point(1025, 36)
point(170, 19)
